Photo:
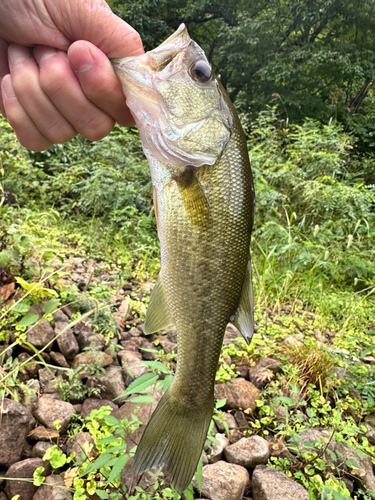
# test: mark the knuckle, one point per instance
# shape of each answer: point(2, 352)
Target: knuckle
point(61, 135)
point(97, 128)
point(52, 78)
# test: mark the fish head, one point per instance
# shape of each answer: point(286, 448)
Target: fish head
point(178, 105)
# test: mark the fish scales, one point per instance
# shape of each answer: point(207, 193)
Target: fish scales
point(204, 202)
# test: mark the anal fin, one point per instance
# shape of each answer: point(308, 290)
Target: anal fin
point(243, 319)
point(157, 315)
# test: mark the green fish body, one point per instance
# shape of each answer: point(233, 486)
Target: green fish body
point(204, 201)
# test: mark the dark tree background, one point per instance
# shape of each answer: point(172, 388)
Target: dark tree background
point(314, 57)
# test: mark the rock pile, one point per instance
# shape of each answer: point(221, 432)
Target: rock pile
point(235, 466)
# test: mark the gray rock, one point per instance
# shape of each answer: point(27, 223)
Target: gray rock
point(46, 376)
point(264, 371)
point(40, 448)
point(142, 410)
point(41, 334)
point(59, 358)
point(49, 410)
point(215, 453)
point(66, 340)
point(235, 435)
point(81, 443)
point(30, 370)
point(132, 366)
point(240, 394)
point(369, 422)
point(88, 339)
point(16, 421)
point(97, 359)
point(3, 495)
point(362, 472)
point(223, 481)
point(148, 356)
point(24, 469)
point(168, 347)
point(248, 452)
point(59, 315)
point(229, 419)
point(128, 356)
point(112, 384)
point(272, 484)
point(53, 488)
point(90, 404)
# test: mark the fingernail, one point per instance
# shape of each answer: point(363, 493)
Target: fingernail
point(82, 59)
point(41, 54)
point(17, 54)
point(7, 86)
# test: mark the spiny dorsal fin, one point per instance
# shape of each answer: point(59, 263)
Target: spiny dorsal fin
point(157, 315)
point(243, 319)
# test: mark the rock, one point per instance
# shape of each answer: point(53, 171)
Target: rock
point(129, 345)
point(124, 309)
point(272, 484)
point(82, 443)
point(143, 411)
point(112, 384)
point(30, 370)
point(83, 329)
point(90, 404)
point(128, 356)
point(369, 422)
point(223, 481)
point(243, 371)
point(42, 434)
point(41, 334)
point(66, 340)
point(59, 358)
point(264, 371)
point(239, 395)
point(229, 420)
point(278, 449)
point(215, 453)
point(248, 452)
point(40, 448)
point(362, 472)
point(168, 347)
point(46, 376)
point(135, 332)
point(241, 420)
point(147, 355)
point(49, 410)
point(30, 401)
point(16, 421)
point(89, 339)
point(53, 488)
point(60, 316)
point(97, 359)
point(235, 435)
point(24, 469)
point(132, 365)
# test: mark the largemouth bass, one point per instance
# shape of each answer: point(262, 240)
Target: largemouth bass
point(204, 203)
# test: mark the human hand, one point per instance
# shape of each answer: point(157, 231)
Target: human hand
point(61, 82)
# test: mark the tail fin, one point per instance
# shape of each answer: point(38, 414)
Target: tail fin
point(174, 438)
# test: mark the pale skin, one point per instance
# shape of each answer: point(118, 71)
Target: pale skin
point(56, 79)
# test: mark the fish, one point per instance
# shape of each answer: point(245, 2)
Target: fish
point(204, 206)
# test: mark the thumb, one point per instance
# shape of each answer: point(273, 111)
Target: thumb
point(93, 21)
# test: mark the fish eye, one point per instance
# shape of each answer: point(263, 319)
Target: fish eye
point(200, 71)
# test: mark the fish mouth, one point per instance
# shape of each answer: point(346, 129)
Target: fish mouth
point(137, 70)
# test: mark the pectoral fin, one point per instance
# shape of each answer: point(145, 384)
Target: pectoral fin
point(157, 315)
point(244, 316)
point(194, 200)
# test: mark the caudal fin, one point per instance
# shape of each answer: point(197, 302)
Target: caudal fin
point(174, 438)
